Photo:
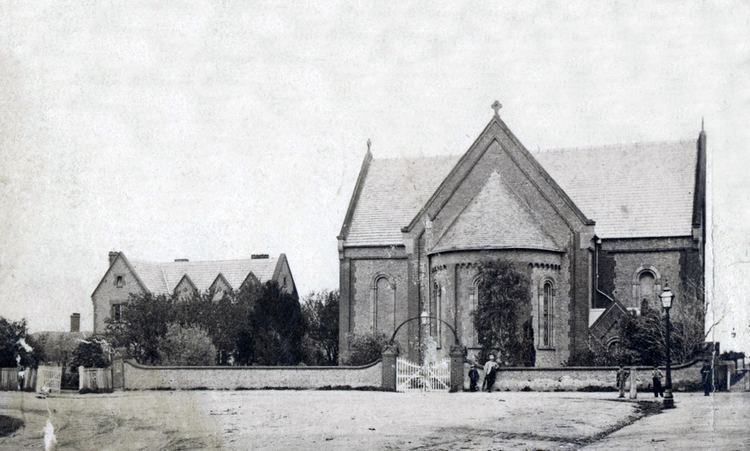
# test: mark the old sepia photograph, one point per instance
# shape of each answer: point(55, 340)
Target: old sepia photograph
point(373, 225)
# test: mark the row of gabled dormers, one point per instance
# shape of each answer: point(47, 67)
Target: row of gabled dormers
point(183, 278)
point(215, 275)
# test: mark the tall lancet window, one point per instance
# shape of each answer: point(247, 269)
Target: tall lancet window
point(474, 306)
point(546, 315)
point(383, 305)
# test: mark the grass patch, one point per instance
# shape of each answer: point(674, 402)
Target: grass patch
point(9, 425)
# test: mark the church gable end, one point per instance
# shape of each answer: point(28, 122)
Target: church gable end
point(494, 219)
point(498, 151)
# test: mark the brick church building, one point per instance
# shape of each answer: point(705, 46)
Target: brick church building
point(598, 232)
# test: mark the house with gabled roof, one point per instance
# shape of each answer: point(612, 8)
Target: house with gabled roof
point(598, 231)
point(182, 278)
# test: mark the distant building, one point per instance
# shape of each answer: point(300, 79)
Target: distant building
point(181, 278)
point(598, 231)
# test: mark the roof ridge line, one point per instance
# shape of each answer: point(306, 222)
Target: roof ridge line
point(613, 145)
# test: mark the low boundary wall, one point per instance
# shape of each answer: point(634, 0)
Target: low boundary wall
point(684, 377)
point(142, 377)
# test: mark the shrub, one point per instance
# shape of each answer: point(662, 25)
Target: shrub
point(188, 346)
point(88, 354)
point(365, 348)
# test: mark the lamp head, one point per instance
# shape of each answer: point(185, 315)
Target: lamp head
point(666, 297)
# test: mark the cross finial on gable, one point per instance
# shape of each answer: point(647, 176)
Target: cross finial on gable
point(496, 106)
point(369, 144)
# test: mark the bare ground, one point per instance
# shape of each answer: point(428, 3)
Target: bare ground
point(317, 420)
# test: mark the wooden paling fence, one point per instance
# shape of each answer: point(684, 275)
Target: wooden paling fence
point(94, 379)
point(9, 379)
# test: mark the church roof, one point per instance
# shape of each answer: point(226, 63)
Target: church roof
point(162, 278)
point(393, 191)
point(495, 218)
point(623, 188)
point(620, 187)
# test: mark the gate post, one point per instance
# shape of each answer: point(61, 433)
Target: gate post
point(118, 373)
point(389, 368)
point(457, 368)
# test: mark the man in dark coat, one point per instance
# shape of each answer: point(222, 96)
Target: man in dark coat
point(656, 376)
point(473, 378)
point(490, 372)
point(707, 378)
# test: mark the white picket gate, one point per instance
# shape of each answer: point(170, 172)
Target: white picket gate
point(48, 379)
point(412, 376)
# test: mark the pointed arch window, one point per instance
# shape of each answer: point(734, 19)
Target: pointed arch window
point(546, 314)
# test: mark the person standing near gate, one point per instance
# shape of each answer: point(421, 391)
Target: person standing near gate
point(656, 376)
point(706, 378)
point(473, 378)
point(490, 372)
point(622, 376)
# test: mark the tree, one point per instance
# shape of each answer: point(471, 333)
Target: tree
point(320, 312)
point(186, 346)
point(365, 348)
point(274, 329)
point(15, 342)
point(88, 354)
point(144, 321)
point(503, 314)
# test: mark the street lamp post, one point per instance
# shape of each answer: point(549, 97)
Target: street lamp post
point(666, 302)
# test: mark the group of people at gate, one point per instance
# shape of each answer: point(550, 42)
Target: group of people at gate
point(491, 367)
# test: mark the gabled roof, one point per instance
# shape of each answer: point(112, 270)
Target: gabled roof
point(162, 278)
point(620, 187)
point(495, 218)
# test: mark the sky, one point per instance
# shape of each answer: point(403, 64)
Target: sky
point(213, 130)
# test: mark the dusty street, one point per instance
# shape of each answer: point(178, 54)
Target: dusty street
point(333, 420)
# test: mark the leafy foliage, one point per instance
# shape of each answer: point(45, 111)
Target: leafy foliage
point(503, 314)
point(321, 315)
point(643, 339)
point(365, 348)
point(88, 354)
point(186, 346)
point(11, 334)
point(144, 321)
point(259, 325)
point(275, 328)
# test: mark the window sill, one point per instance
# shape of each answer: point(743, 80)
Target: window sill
point(545, 348)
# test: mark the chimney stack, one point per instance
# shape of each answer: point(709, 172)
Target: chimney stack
point(258, 256)
point(75, 322)
point(112, 256)
point(181, 260)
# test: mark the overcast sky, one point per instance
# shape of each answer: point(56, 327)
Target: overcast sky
point(219, 129)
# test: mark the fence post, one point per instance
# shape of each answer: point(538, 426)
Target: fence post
point(633, 383)
point(390, 354)
point(457, 368)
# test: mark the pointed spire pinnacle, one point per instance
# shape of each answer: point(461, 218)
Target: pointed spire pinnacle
point(496, 105)
point(702, 129)
point(369, 144)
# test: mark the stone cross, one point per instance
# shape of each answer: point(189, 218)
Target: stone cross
point(496, 106)
point(369, 144)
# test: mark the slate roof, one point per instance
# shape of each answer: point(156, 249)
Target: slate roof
point(619, 186)
point(393, 192)
point(162, 278)
point(495, 218)
point(622, 187)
